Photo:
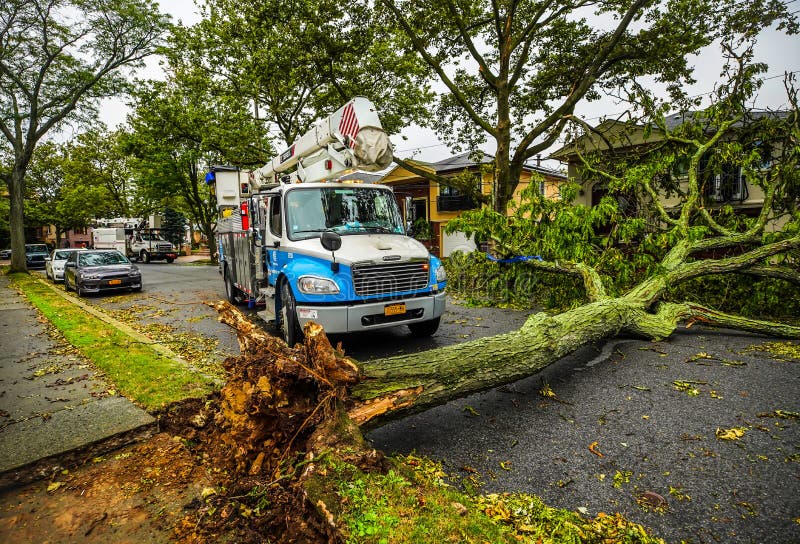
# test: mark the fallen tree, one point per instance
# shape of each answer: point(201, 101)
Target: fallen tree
point(289, 417)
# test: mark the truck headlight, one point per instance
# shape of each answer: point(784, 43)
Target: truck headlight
point(441, 275)
point(314, 285)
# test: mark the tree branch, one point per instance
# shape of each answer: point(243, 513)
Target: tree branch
point(746, 260)
point(419, 46)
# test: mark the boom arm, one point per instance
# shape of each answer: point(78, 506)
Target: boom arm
point(350, 138)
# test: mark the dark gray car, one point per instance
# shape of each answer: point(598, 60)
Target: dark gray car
point(36, 255)
point(94, 271)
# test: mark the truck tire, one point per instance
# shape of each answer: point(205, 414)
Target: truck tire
point(232, 293)
point(169, 260)
point(144, 256)
point(290, 328)
point(424, 328)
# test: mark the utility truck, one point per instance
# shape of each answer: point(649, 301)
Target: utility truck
point(138, 239)
point(309, 247)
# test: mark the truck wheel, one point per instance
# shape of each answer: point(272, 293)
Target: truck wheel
point(170, 259)
point(144, 256)
point(232, 293)
point(290, 328)
point(424, 328)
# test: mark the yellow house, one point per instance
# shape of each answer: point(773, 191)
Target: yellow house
point(437, 204)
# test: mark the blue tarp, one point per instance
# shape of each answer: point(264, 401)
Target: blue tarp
point(515, 259)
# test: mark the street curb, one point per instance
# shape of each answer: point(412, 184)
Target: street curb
point(127, 329)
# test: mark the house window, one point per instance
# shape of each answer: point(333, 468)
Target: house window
point(541, 188)
point(722, 183)
point(451, 200)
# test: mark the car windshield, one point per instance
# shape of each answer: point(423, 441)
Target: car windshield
point(101, 259)
point(346, 210)
point(36, 248)
point(61, 255)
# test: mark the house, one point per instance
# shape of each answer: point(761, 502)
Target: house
point(437, 204)
point(722, 185)
point(78, 237)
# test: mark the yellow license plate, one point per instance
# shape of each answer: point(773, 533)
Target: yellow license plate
point(114, 282)
point(394, 309)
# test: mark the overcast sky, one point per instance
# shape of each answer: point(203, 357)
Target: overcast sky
point(780, 52)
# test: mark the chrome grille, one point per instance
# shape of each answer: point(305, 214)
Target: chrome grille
point(390, 278)
point(164, 248)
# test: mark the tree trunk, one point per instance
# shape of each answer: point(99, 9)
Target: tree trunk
point(400, 385)
point(17, 220)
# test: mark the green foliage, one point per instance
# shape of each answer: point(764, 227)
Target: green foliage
point(478, 281)
point(173, 226)
point(298, 59)
point(742, 295)
point(535, 61)
point(59, 59)
point(412, 503)
point(67, 184)
point(622, 248)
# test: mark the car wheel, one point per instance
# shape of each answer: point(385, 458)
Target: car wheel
point(78, 289)
point(290, 328)
point(66, 284)
point(144, 256)
point(425, 328)
point(232, 293)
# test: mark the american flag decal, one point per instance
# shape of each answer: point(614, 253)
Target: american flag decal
point(349, 124)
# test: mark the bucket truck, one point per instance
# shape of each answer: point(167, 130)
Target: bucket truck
point(310, 247)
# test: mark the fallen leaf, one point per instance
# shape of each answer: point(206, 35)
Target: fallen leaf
point(53, 487)
point(470, 410)
point(594, 450)
point(734, 433)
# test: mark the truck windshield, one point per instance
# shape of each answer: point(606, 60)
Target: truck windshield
point(151, 237)
point(346, 210)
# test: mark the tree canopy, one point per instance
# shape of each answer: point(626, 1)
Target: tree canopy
point(58, 59)
point(514, 71)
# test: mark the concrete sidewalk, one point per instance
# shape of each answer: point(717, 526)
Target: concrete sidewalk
point(55, 408)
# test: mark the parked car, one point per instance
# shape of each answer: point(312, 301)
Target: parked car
point(5, 253)
point(93, 271)
point(54, 266)
point(36, 255)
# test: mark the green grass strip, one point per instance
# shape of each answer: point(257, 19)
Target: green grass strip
point(138, 372)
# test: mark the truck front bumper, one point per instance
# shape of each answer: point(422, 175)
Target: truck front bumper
point(362, 317)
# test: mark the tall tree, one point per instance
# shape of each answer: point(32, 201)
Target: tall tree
point(58, 59)
point(514, 70)
point(66, 188)
point(296, 60)
point(98, 162)
point(178, 129)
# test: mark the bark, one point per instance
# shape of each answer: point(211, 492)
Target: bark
point(397, 386)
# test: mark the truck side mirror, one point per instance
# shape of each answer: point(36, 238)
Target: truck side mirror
point(332, 242)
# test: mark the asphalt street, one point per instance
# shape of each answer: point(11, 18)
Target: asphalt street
point(631, 419)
